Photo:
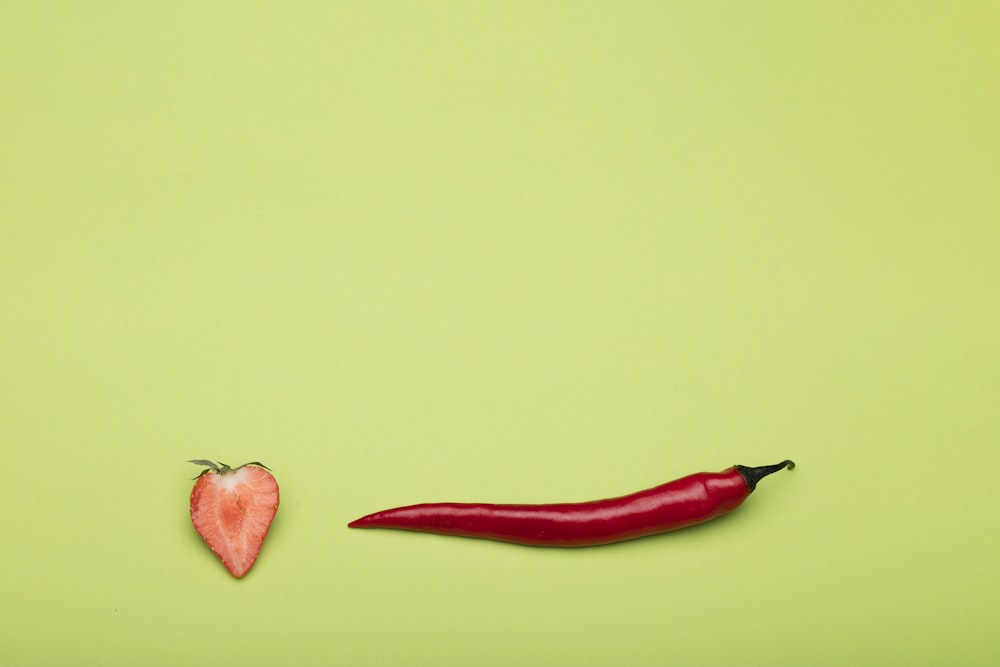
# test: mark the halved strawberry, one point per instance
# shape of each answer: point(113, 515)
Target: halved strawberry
point(232, 509)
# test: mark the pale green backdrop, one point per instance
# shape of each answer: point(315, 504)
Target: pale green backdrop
point(500, 251)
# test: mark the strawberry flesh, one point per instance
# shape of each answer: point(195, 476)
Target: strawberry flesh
point(232, 510)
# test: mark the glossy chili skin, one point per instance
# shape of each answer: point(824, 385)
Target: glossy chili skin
point(683, 502)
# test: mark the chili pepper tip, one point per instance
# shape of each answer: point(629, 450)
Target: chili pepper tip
point(753, 475)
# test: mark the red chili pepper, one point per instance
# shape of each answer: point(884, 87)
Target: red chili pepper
point(683, 502)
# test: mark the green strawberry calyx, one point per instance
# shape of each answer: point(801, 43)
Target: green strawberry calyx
point(219, 468)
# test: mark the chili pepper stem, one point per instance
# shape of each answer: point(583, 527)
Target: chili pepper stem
point(754, 475)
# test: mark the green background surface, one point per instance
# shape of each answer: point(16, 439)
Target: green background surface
point(511, 252)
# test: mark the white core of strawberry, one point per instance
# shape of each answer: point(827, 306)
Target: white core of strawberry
point(230, 480)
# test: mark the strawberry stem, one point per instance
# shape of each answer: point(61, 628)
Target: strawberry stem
point(220, 468)
point(216, 467)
